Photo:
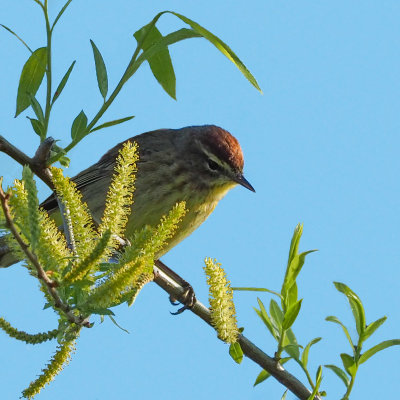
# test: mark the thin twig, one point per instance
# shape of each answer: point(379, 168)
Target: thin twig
point(38, 163)
point(175, 290)
point(50, 284)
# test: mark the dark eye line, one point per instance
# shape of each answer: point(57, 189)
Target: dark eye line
point(213, 165)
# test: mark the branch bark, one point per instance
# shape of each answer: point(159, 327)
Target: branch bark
point(177, 291)
point(38, 163)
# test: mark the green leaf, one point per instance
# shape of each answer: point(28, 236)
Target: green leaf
point(294, 243)
point(317, 383)
point(253, 289)
point(263, 375)
point(284, 394)
point(64, 161)
point(101, 311)
point(60, 13)
point(291, 315)
point(379, 347)
point(37, 108)
point(276, 314)
point(221, 46)
point(355, 305)
point(13, 33)
point(332, 318)
point(294, 265)
point(291, 338)
point(180, 35)
point(160, 62)
point(304, 356)
point(340, 373)
point(290, 348)
point(78, 129)
point(62, 84)
point(349, 364)
point(111, 123)
point(262, 313)
point(31, 78)
point(37, 126)
point(372, 327)
point(117, 325)
point(101, 71)
point(236, 352)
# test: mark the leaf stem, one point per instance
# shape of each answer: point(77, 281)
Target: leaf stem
point(349, 389)
point(48, 72)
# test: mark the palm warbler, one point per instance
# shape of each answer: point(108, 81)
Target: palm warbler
point(196, 164)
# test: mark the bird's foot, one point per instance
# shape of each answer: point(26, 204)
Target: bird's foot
point(188, 299)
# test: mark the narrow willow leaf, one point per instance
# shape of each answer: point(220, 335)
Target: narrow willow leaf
point(294, 243)
point(317, 384)
point(284, 395)
point(276, 314)
point(294, 266)
point(263, 375)
point(290, 347)
point(267, 322)
point(60, 13)
point(349, 364)
point(101, 71)
point(291, 315)
point(372, 327)
point(19, 38)
point(291, 338)
point(37, 126)
point(236, 352)
point(304, 356)
point(111, 123)
point(340, 373)
point(253, 289)
point(101, 311)
point(332, 318)
point(37, 108)
point(78, 129)
point(355, 305)
point(291, 297)
point(165, 41)
point(221, 46)
point(293, 271)
point(62, 84)
point(160, 62)
point(379, 347)
point(31, 78)
point(117, 325)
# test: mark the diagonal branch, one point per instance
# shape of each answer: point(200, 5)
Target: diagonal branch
point(172, 285)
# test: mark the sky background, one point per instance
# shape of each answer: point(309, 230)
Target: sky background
point(321, 147)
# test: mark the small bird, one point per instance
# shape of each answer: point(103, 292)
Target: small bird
point(195, 164)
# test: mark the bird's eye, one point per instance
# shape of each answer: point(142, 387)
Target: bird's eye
point(213, 165)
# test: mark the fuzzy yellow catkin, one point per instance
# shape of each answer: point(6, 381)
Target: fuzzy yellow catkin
point(222, 308)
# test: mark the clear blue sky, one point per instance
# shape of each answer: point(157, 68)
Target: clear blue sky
point(321, 146)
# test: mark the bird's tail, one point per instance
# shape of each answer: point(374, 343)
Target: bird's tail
point(7, 258)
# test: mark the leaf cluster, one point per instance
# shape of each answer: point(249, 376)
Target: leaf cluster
point(89, 272)
point(281, 316)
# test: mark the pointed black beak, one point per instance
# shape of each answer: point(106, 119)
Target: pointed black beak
point(241, 180)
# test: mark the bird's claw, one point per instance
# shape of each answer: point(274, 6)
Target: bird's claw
point(188, 299)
